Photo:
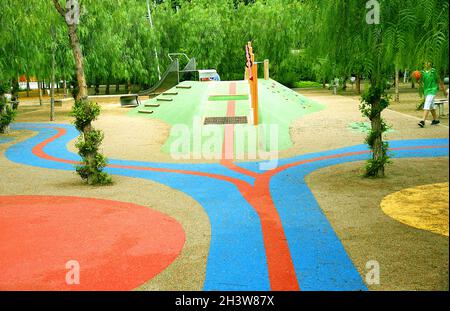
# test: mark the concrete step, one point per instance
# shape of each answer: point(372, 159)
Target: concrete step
point(145, 111)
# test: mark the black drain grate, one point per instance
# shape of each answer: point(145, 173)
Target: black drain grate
point(226, 120)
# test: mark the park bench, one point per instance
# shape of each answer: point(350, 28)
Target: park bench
point(440, 104)
point(130, 100)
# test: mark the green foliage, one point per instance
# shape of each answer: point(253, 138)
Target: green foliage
point(88, 143)
point(409, 32)
point(373, 102)
point(7, 114)
point(84, 112)
point(119, 44)
point(374, 165)
point(307, 84)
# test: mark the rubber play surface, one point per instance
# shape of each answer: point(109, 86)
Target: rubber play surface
point(110, 240)
point(267, 230)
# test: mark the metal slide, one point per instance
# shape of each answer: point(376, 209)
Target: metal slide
point(168, 80)
point(171, 76)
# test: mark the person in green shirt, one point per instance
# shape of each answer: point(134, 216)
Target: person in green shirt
point(430, 83)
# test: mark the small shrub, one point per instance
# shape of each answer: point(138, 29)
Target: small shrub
point(7, 115)
point(88, 144)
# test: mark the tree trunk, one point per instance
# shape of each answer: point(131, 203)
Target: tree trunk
point(97, 88)
point(15, 89)
point(117, 88)
point(397, 85)
point(81, 81)
point(64, 87)
point(28, 86)
point(358, 84)
point(78, 56)
point(40, 92)
point(378, 143)
point(323, 84)
point(344, 84)
point(107, 89)
point(82, 93)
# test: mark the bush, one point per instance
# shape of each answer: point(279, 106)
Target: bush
point(7, 115)
point(93, 162)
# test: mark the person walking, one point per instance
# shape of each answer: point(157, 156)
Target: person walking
point(430, 85)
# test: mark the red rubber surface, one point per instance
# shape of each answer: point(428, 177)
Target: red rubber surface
point(118, 245)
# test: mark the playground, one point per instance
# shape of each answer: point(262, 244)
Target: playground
point(193, 146)
point(310, 223)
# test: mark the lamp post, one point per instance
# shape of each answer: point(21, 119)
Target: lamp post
point(151, 26)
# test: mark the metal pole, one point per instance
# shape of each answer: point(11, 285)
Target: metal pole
point(151, 26)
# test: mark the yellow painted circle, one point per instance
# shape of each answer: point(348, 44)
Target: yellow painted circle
point(423, 207)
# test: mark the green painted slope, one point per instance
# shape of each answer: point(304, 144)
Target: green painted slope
point(278, 105)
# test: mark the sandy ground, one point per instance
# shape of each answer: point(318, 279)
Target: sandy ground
point(145, 135)
point(409, 99)
point(409, 258)
point(328, 129)
point(187, 271)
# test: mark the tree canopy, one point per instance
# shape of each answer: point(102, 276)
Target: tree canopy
point(304, 40)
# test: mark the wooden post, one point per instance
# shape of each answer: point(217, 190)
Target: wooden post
point(266, 69)
point(251, 74)
point(255, 93)
point(254, 89)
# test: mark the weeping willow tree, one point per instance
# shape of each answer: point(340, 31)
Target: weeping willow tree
point(352, 44)
point(431, 42)
point(375, 38)
point(84, 111)
point(417, 30)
